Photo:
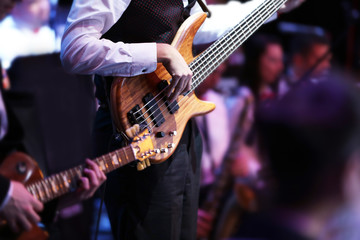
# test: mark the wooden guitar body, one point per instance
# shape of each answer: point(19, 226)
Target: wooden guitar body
point(126, 93)
point(140, 99)
point(22, 168)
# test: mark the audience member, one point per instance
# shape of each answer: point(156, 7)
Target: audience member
point(310, 58)
point(26, 31)
point(258, 82)
point(310, 139)
point(216, 139)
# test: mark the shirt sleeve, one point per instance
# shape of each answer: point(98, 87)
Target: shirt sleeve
point(83, 52)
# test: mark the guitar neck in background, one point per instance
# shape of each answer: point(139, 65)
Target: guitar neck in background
point(64, 182)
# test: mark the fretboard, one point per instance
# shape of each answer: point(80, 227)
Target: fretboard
point(64, 182)
point(220, 50)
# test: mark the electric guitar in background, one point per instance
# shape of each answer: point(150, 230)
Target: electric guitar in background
point(140, 99)
point(22, 168)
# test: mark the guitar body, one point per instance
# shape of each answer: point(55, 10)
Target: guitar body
point(126, 93)
point(22, 168)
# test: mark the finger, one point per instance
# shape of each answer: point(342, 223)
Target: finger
point(84, 183)
point(185, 86)
point(32, 216)
point(37, 205)
point(188, 86)
point(93, 179)
point(179, 89)
point(102, 177)
point(24, 223)
point(94, 167)
point(173, 85)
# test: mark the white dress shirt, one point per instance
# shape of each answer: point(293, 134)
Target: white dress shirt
point(83, 51)
point(214, 128)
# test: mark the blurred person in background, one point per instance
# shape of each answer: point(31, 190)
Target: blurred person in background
point(258, 83)
point(26, 31)
point(18, 207)
point(216, 139)
point(310, 140)
point(262, 68)
point(310, 58)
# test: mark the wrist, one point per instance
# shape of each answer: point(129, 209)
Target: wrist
point(163, 52)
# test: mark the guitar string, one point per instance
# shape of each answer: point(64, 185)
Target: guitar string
point(229, 50)
point(216, 63)
point(194, 63)
point(239, 40)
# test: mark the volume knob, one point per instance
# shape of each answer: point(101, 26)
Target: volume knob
point(160, 134)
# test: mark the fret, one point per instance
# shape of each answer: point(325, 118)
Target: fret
point(41, 191)
point(73, 174)
point(102, 165)
point(53, 186)
point(65, 180)
point(124, 156)
point(116, 160)
point(49, 188)
point(78, 171)
point(46, 190)
point(108, 164)
point(59, 183)
point(36, 191)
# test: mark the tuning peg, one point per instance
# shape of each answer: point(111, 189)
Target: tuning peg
point(147, 161)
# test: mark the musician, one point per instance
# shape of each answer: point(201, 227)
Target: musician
point(310, 57)
point(17, 206)
point(128, 38)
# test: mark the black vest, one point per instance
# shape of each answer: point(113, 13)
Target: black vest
point(149, 21)
point(146, 21)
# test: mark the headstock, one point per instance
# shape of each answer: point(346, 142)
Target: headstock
point(142, 145)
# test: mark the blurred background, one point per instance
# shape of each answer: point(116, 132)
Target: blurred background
point(53, 112)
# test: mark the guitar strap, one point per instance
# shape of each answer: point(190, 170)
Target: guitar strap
point(187, 9)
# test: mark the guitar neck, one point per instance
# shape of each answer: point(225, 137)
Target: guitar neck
point(64, 182)
point(218, 52)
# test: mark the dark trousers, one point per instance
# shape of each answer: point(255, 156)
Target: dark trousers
point(159, 202)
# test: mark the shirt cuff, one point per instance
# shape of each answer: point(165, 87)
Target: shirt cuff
point(7, 197)
point(144, 58)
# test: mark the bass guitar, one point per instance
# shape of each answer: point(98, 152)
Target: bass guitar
point(140, 99)
point(22, 168)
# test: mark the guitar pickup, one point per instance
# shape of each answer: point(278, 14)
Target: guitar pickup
point(153, 110)
point(172, 107)
point(135, 116)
